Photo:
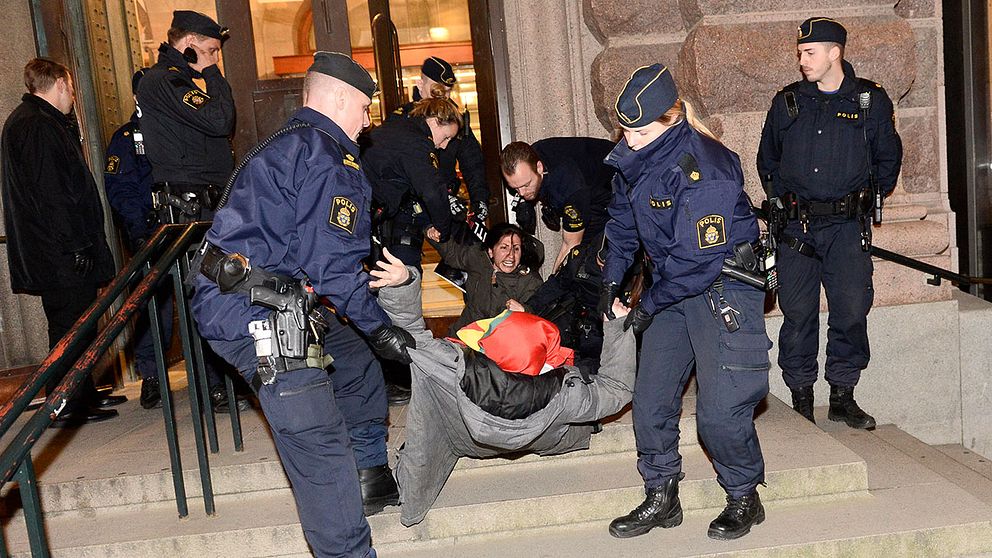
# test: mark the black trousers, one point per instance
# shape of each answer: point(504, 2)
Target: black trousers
point(62, 308)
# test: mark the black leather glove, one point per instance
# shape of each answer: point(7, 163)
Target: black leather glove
point(551, 217)
point(526, 216)
point(391, 342)
point(82, 262)
point(639, 319)
point(607, 292)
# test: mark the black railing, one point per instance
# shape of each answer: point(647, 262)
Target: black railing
point(164, 255)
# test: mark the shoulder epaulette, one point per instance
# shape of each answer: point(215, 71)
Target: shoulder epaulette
point(690, 168)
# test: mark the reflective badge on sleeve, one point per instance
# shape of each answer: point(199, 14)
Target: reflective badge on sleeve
point(343, 214)
point(113, 165)
point(195, 98)
point(664, 203)
point(710, 231)
point(434, 159)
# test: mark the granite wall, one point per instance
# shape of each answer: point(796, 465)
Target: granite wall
point(569, 59)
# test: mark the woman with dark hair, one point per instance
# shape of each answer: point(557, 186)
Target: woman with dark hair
point(503, 269)
point(679, 193)
point(400, 158)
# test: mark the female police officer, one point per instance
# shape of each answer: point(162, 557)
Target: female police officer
point(679, 193)
point(402, 163)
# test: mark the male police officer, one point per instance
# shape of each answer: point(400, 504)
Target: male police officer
point(127, 177)
point(186, 134)
point(187, 129)
point(569, 178)
point(828, 142)
point(298, 212)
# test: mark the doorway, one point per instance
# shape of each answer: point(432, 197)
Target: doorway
point(272, 44)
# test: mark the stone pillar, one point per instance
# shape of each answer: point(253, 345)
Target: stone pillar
point(23, 329)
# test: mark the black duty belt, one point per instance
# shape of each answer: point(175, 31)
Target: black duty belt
point(855, 204)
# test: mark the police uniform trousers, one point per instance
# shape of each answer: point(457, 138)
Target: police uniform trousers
point(360, 393)
point(731, 377)
point(144, 347)
point(844, 270)
point(311, 436)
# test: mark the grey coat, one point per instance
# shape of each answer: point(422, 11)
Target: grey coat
point(442, 424)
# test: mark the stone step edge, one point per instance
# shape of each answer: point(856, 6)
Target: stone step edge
point(616, 439)
point(944, 538)
point(837, 480)
point(842, 480)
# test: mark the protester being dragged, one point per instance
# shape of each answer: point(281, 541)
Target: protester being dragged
point(500, 272)
point(468, 404)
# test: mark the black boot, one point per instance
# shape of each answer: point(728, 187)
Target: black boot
point(378, 489)
point(151, 393)
point(843, 408)
point(397, 395)
point(737, 518)
point(802, 402)
point(661, 508)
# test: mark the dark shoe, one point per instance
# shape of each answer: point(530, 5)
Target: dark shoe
point(661, 508)
point(219, 402)
point(151, 393)
point(79, 417)
point(103, 401)
point(802, 402)
point(397, 395)
point(843, 408)
point(737, 518)
point(378, 489)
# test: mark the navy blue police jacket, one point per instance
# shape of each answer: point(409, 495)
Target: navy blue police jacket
point(298, 208)
point(465, 151)
point(577, 183)
point(402, 164)
point(688, 219)
point(127, 178)
point(820, 154)
point(186, 129)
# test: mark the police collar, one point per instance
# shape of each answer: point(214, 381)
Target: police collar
point(169, 56)
point(665, 148)
point(325, 124)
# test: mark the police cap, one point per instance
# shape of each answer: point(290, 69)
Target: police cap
point(188, 20)
point(646, 96)
point(136, 79)
point(439, 71)
point(342, 67)
point(821, 30)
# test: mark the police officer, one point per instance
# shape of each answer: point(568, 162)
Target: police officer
point(187, 129)
point(127, 178)
point(401, 159)
point(186, 133)
point(299, 211)
point(568, 177)
point(829, 152)
point(679, 193)
point(463, 150)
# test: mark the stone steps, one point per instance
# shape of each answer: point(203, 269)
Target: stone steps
point(507, 496)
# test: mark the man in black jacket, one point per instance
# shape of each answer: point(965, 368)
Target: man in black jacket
point(56, 247)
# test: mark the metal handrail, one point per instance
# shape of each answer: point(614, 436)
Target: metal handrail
point(15, 458)
point(938, 273)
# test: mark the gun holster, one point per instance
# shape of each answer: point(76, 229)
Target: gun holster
point(289, 338)
point(183, 203)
